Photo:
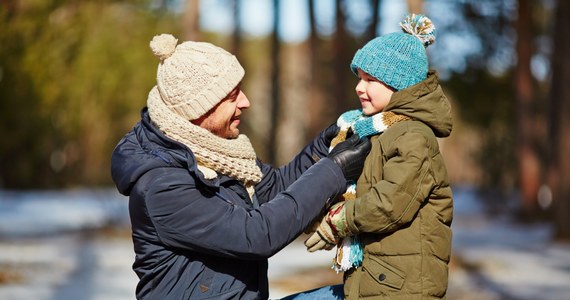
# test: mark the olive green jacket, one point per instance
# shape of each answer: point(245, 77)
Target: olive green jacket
point(404, 203)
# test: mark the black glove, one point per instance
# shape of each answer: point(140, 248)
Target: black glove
point(319, 146)
point(350, 154)
point(329, 133)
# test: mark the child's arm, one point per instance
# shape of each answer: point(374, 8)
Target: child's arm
point(407, 182)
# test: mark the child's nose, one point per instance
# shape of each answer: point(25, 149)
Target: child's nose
point(360, 87)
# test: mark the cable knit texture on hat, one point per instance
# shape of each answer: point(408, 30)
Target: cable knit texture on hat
point(194, 76)
point(191, 79)
point(232, 157)
point(398, 59)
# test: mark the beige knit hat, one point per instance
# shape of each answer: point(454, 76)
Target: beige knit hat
point(194, 76)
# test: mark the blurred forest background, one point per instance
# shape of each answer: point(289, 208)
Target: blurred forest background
point(74, 75)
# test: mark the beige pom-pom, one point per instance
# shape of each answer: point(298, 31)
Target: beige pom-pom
point(163, 45)
point(419, 26)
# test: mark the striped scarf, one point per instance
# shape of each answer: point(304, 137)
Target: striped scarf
point(349, 252)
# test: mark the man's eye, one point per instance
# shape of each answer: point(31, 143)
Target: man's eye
point(232, 95)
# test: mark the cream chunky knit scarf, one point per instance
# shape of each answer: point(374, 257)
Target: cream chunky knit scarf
point(232, 157)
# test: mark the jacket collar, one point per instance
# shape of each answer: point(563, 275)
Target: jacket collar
point(176, 153)
point(426, 102)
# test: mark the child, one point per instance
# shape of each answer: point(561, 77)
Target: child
point(393, 229)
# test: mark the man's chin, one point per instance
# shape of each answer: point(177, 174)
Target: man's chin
point(232, 135)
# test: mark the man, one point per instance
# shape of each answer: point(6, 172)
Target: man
point(206, 214)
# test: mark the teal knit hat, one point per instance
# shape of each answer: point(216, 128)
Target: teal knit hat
point(398, 59)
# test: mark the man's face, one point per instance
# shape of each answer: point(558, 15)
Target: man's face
point(224, 118)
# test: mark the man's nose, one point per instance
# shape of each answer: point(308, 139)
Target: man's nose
point(243, 102)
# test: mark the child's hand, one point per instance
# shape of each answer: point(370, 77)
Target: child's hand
point(336, 219)
point(322, 238)
point(332, 227)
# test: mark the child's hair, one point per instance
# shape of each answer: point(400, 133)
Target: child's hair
point(398, 59)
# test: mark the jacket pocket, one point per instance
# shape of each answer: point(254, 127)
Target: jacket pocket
point(209, 286)
point(225, 295)
point(380, 278)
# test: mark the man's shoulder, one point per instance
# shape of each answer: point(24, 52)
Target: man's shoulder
point(167, 176)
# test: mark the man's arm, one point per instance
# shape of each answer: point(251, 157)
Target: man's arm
point(187, 218)
point(276, 180)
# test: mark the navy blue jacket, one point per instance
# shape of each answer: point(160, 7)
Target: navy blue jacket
point(196, 238)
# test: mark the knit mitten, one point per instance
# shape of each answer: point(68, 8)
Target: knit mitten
point(322, 238)
point(332, 227)
point(336, 218)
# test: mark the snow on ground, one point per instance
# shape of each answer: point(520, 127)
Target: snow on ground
point(506, 259)
point(514, 261)
point(67, 267)
point(493, 257)
point(292, 259)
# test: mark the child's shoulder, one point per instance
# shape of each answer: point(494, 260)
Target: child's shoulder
point(407, 126)
point(408, 132)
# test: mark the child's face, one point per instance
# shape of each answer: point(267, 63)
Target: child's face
point(373, 94)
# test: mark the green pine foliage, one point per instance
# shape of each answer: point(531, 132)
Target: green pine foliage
point(73, 76)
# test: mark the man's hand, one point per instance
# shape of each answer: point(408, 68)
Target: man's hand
point(350, 155)
point(319, 147)
point(329, 134)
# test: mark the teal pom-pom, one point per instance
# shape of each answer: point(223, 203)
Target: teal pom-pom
point(419, 26)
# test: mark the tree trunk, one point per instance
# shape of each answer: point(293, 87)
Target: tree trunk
point(372, 31)
point(236, 36)
point(342, 62)
point(317, 100)
point(416, 6)
point(191, 20)
point(559, 127)
point(275, 49)
point(528, 160)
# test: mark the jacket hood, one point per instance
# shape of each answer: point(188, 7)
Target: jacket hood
point(145, 148)
point(425, 102)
